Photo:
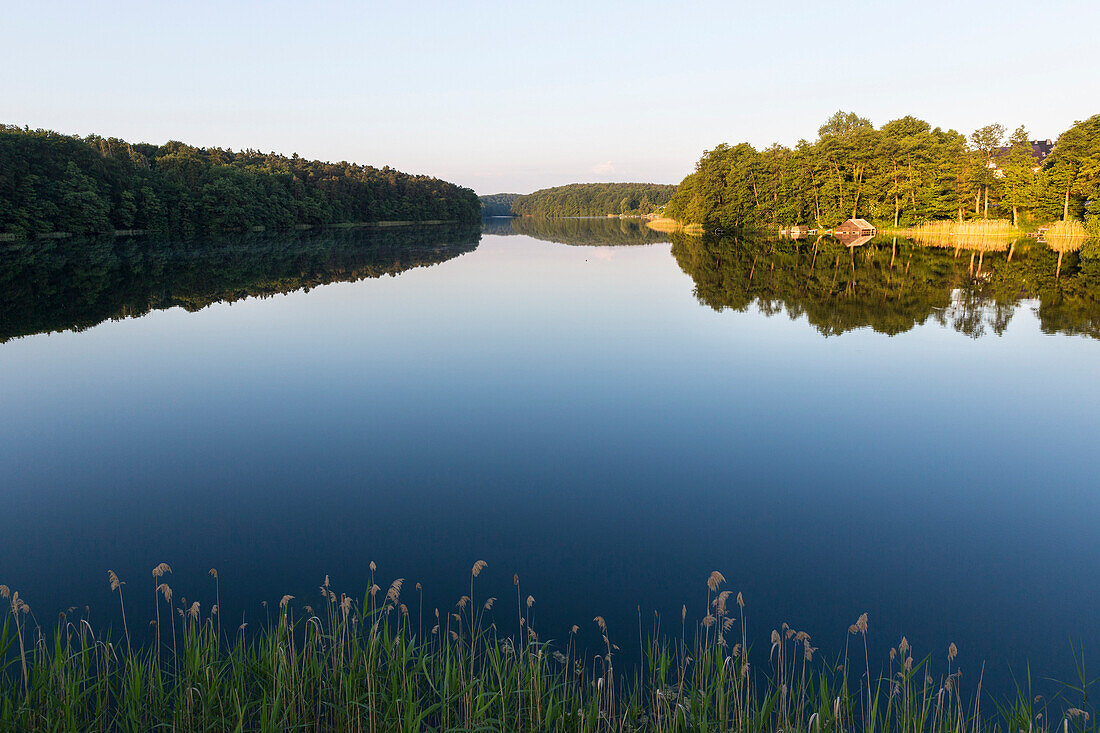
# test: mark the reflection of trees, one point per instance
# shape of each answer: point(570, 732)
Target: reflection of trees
point(70, 284)
point(892, 285)
point(588, 232)
point(971, 312)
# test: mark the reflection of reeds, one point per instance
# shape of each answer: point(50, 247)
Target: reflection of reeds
point(978, 243)
point(1064, 243)
point(346, 666)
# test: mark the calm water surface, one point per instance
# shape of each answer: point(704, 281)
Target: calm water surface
point(836, 430)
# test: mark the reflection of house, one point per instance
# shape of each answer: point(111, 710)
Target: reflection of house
point(796, 232)
point(852, 239)
point(860, 227)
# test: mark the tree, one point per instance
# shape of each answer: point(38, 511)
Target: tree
point(986, 141)
point(83, 210)
point(1019, 176)
point(1075, 165)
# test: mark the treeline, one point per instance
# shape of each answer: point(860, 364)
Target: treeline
point(498, 204)
point(900, 174)
point(51, 182)
point(892, 284)
point(594, 199)
point(74, 284)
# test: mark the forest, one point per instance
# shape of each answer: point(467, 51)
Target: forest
point(594, 199)
point(51, 183)
point(903, 173)
point(498, 204)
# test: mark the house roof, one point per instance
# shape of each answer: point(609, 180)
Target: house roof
point(1040, 149)
point(856, 225)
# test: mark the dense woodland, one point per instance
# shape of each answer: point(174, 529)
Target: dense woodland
point(594, 199)
point(73, 284)
point(893, 284)
point(902, 173)
point(498, 204)
point(57, 183)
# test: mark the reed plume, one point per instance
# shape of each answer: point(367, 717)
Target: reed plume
point(344, 669)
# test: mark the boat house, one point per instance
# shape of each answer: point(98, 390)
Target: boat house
point(860, 227)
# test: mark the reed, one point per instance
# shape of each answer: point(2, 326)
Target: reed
point(973, 227)
point(1068, 228)
point(664, 224)
point(337, 664)
point(969, 228)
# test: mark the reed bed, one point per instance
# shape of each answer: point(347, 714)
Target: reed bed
point(667, 225)
point(344, 664)
point(973, 227)
point(664, 224)
point(1067, 229)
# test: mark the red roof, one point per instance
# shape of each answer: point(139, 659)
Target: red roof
point(855, 225)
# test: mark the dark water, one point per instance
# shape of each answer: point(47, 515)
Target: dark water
point(900, 429)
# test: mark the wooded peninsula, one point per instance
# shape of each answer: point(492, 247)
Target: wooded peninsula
point(52, 183)
point(901, 174)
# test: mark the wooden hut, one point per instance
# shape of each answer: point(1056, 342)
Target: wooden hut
point(800, 229)
point(860, 227)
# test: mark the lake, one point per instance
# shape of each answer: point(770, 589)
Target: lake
point(901, 428)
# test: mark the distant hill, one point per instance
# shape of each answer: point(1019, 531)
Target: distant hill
point(498, 204)
point(594, 199)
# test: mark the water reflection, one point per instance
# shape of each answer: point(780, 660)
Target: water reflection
point(579, 420)
point(892, 285)
point(590, 232)
point(74, 284)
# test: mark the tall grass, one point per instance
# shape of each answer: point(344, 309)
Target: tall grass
point(667, 225)
point(1067, 229)
point(347, 664)
point(974, 227)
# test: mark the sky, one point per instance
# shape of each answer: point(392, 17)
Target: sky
point(513, 96)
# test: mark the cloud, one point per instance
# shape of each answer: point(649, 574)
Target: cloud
point(602, 169)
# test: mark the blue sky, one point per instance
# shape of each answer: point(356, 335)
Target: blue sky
point(502, 96)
